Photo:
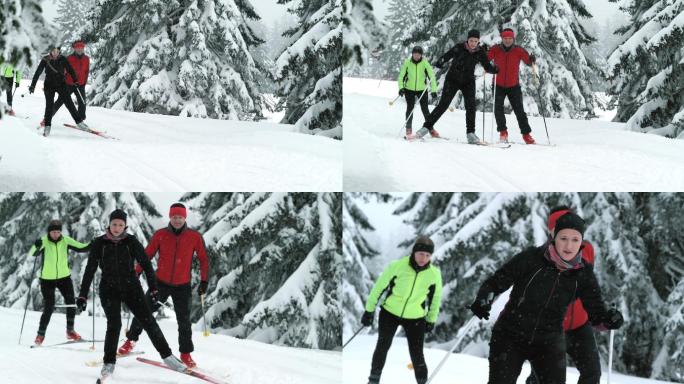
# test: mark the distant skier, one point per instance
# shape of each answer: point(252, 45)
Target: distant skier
point(10, 75)
point(580, 343)
point(461, 76)
point(414, 291)
point(545, 281)
point(55, 66)
point(412, 85)
point(55, 273)
point(507, 56)
point(80, 62)
point(176, 245)
point(114, 253)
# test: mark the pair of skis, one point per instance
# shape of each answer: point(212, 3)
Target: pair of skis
point(46, 131)
point(481, 143)
point(188, 371)
point(69, 342)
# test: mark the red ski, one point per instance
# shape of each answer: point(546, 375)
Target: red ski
point(90, 130)
point(188, 371)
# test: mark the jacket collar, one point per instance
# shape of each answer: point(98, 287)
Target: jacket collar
point(415, 266)
point(175, 231)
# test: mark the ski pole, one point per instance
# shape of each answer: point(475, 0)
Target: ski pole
point(92, 347)
point(610, 355)
point(65, 306)
point(33, 271)
point(464, 331)
point(391, 103)
point(541, 101)
point(353, 336)
point(493, 104)
point(128, 319)
point(484, 101)
point(412, 110)
point(204, 316)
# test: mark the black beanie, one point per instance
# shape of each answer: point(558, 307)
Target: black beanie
point(417, 49)
point(118, 214)
point(569, 221)
point(423, 244)
point(473, 33)
point(55, 225)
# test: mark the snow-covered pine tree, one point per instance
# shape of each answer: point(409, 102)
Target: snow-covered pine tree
point(72, 16)
point(669, 364)
point(309, 70)
point(178, 57)
point(403, 14)
point(363, 33)
point(647, 69)
point(276, 265)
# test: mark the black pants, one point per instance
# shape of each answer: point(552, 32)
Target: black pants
point(448, 93)
point(581, 346)
point(515, 98)
point(507, 355)
point(50, 103)
point(134, 298)
point(79, 90)
point(415, 333)
point(8, 88)
point(47, 288)
point(411, 102)
point(181, 296)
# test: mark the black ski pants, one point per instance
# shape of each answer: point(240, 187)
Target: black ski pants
point(515, 97)
point(61, 91)
point(8, 88)
point(415, 333)
point(79, 91)
point(181, 296)
point(47, 288)
point(411, 102)
point(448, 93)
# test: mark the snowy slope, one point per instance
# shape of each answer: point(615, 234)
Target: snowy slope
point(461, 368)
point(160, 153)
point(226, 358)
point(590, 155)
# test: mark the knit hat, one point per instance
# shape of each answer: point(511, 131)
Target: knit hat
point(78, 44)
point(178, 209)
point(569, 220)
point(474, 33)
point(555, 214)
point(118, 214)
point(55, 225)
point(423, 244)
point(507, 32)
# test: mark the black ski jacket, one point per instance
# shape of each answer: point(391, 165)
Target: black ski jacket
point(463, 62)
point(541, 295)
point(54, 72)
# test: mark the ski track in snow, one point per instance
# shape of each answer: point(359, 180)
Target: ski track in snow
point(160, 153)
point(590, 155)
point(222, 357)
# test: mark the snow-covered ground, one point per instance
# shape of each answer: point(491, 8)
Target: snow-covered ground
point(592, 155)
point(160, 153)
point(461, 368)
point(226, 358)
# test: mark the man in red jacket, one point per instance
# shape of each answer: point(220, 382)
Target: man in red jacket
point(507, 56)
point(579, 335)
point(80, 62)
point(176, 245)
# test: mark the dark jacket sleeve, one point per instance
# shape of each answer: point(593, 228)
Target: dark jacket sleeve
point(505, 276)
point(91, 267)
point(70, 69)
point(590, 293)
point(485, 62)
point(144, 261)
point(445, 58)
point(39, 70)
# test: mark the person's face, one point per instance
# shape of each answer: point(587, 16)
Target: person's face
point(568, 242)
point(422, 258)
point(416, 56)
point(508, 41)
point(54, 52)
point(79, 51)
point(54, 235)
point(117, 227)
point(177, 221)
point(473, 42)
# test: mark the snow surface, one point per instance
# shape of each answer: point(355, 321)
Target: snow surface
point(224, 357)
point(160, 153)
point(590, 155)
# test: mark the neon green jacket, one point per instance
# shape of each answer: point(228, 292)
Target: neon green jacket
point(55, 256)
point(412, 75)
point(7, 70)
point(412, 294)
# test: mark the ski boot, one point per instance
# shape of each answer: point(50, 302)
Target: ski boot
point(42, 123)
point(172, 362)
point(72, 335)
point(46, 131)
point(39, 340)
point(373, 379)
point(528, 139)
point(82, 125)
point(11, 112)
point(435, 134)
point(409, 133)
point(126, 348)
point(187, 360)
point(107, 371)
point(472, 138)
point(503, 136)
point(421, 133)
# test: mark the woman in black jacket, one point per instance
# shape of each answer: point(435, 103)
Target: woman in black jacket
point(545, 281)
point(115, 253)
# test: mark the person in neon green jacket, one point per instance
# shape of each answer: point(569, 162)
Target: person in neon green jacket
point(413, 293)
point(9, 75)
point(412, 78)
point(55, 273)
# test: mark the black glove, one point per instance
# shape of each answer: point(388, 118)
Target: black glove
point(81, 303)
point(429, 326)
point(533, 58)
point(31, 89)
point(202, 289)
point(482, 306)
point(495, 69)
point(154, 297)
point(433, 95)
point(17, 85)
point(613, 319)
point(401, 92)
point(367, 319)
point(38, 244)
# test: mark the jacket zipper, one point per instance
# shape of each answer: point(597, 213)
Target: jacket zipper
point(528, 285)
point(409, 296)
point(56, 260)
point(175, 253)
point(536, 324)
point(415, 81)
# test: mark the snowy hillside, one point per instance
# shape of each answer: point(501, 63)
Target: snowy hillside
point(160, 153)
point(589, 154)
point(224, 357)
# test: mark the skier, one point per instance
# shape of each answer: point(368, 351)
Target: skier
point(55, 273)
point(412, 85)
point(10, 75)
point(545, 281)
point(176, 245)
point(461, 76)
point(80, 62)
point(507, 56)
point(114, 252)
point(55, 66)
point(579, 336)
point(414, 291)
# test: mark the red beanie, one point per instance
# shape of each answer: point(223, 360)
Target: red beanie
point(78, 44)
point(508, 33)
point(178, 210)
point(554, 217)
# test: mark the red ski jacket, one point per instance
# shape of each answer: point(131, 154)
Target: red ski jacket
point(175, 255)
point(508, 62)
point(81, 65)
point(577, 316)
